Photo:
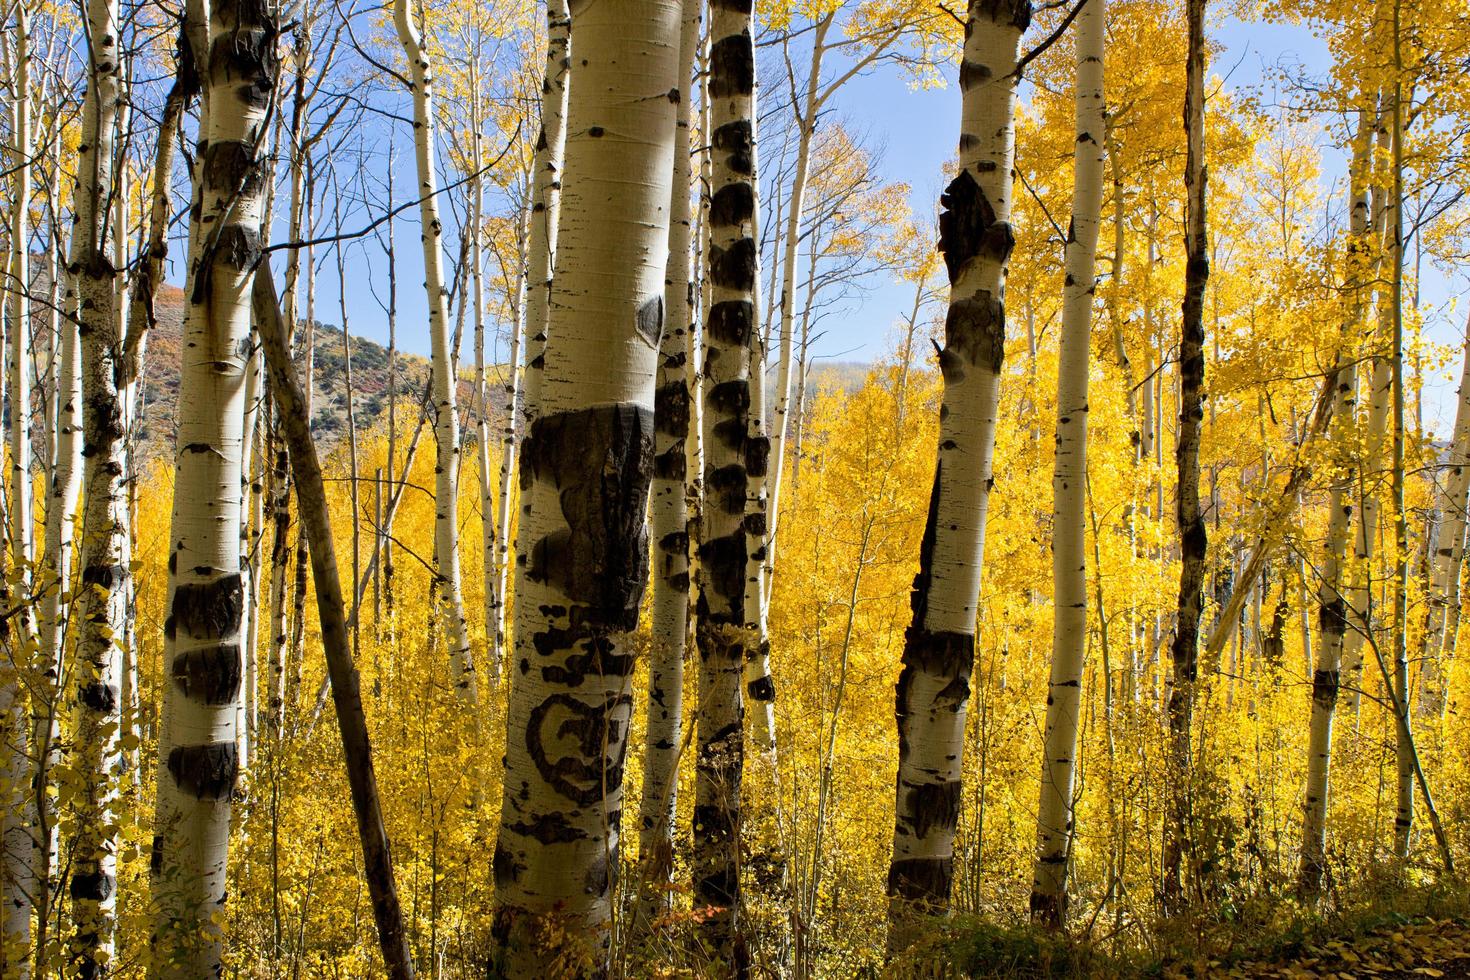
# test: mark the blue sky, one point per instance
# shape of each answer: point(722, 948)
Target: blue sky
point(917, 132)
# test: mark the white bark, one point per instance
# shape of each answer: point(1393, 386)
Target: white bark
point(1055, 814)
point(446, 428)
point(1332, 607)
point(669, 518)
point(1451, 492)
point(586, 466)
point(198, 761)
point(938, 659)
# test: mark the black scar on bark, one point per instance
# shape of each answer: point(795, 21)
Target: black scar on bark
point(549, 828)
point(724, 561)
point(973, 73)
point(1333, 617)
point(726, 488)
point(732, 205)
point(1325, 685)
point(729, 398)
point(600, 460)
point(967, 226)
point(762, 689)
point(210, 675)
point(208, 609)
point(923, 881)
point(671, 409)
point(205, 772)
point(671, 465)
point(733, 268)
point(598, 659)
point(93, 886)
point(649, 320)
point(975, 331)
point(582, 776)
point(674, 543)
point(231, 166)
point(98, 696)
point(754, 524)
point(757, 455)
point(506, 868)
point(1012, 13)
point(934, 805)
point(734, 6)
point(733, 139)
point(730, 322)
point(600, 874)
point(732, 66)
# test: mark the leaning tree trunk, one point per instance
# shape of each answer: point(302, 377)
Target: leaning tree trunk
point(669, 520)
point(198, 763)
point(17, 877)
point(586, 467)
point(446, 428)
point(939, 646)
point(101, 602)
point(1332, 605)
point(733, 464)
point(1192, 538)
point(1055, 821)
point(1451, 492)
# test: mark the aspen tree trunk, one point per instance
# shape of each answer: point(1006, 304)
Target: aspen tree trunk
point(1055, 813)
point(669, 517)
point(1332, 606)
point(20, 879)
point(346, 693)
point(1404, 817)
point(733, 465)
point(586, 467)
point(100, 600)
point(1451, 492)
point(939, 647)
point(446, 429)
point(202, 657)
point(1380, 398)
point(1192, 536)
point(541, 241)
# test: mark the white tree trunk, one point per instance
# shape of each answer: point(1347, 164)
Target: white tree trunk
point(1332, 606)
point(1055, 814)
point(734, 463)
point(586, 467)
point(446, 428)
point(1451, 491)
point(669, 518)
point(939, 647)
point(202, 656)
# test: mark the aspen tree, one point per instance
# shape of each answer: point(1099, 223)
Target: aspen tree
point(1055, 813)
point(1192, 536)
point(734, 463)
point(1451, 492)
point(586, 466)
point(669, 514)
point(933, 694)
point(1332, 606)
point(446, 468)
point(202, 657)
point(100, 601)
point(17, 875)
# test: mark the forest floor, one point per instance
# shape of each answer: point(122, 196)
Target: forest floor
point(1393, 934)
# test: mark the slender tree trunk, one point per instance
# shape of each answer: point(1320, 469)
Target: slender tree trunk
point(586, 467)
point(939, 647)
point(105, 522)
point(1055, 822)
point(1332, 606)
point(346, 691)
point(446, 468)
point(1192, 537)
point(198, 762)
point(733, 463)
point(1451, 491)
point(669, 518)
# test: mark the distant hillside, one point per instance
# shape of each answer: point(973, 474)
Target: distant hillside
point(329, 382)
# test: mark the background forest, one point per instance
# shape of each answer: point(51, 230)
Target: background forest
point(446, 533)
